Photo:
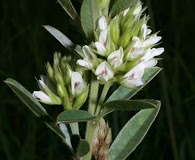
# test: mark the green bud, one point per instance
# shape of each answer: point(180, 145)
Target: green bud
point(103, 3)
point(114, 30)
point(80, 100)
point(62, 91)
point(125, 39)
point(50, 72)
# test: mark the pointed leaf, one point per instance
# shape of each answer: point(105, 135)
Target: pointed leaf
point(70, 10)
point(71, 116)
point(33, 105)
point(67, 43)
point(133, 133)
point(121, 5)
point(89, 17)
point(128, 105)
point(123, 93)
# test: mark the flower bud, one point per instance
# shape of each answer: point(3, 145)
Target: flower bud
point(114, 30)
point(80, 100)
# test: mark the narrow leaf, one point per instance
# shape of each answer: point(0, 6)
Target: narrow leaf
point(67, 43)
point(121, 5)
point(133, 133)
point(33, 105)
point(71, 116)
point(89, 17)
point(70, 10)
point(128, 105)
point(123, 93)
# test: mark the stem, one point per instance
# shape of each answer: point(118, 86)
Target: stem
point(93, 94)
point(91, 126)
point(74, 128)
point(102, 98)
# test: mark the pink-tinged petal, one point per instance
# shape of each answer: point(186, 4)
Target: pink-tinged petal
point(151, 40)
point(134, 77)
point(40, 95)
point(77, 83)
point(88, 54)
point(115, 59)
point(102, 23)
point(104, 72)
point(103, 37)
point(136, 49)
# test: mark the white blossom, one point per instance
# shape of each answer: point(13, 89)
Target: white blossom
point(115, 59)
point(40, 95)
point(77, 83)
point(133, 78)
point(104, 72)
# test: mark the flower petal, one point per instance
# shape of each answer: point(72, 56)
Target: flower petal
point(85, 63)
point(134, 77)
point(151, 53)
point(40, 95)
point(77, 83)
point(102, 23)
point(104, 72)
point(115, 59)
point(151, 40)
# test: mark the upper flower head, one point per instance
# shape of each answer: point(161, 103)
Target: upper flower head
point(123, 47)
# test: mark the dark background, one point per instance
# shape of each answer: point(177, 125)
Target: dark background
point(25, 47)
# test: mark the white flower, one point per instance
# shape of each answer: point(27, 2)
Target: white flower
point(102, 23)
point(136, 49)
point(46, 95)
point(151, 40)
point(115, 59)
point(104, 72)
point(77, 84)
point(133, 78)
point(40, 95)
point(151, 53)
point(101, 44)
point(145, 31)
point(89, 60)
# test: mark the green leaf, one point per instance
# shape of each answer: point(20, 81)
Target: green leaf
point(70, 10)
point(133, 133)
point(124, 93)
point(128, 105)
point(33, 105)
point(82, 148)
point(67, 43)
point(89, 17)
point(71, 116)
point(121, 5)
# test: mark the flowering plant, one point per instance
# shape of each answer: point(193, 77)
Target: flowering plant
point(120, 49)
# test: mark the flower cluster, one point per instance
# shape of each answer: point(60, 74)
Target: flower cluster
point(62, 85)
point(123, 48)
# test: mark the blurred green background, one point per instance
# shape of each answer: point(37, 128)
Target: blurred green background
point(26, 46)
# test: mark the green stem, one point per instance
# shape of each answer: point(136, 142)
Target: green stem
point(91, 126)
point(93, 94)
point(103, 96)
point(74, 128)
